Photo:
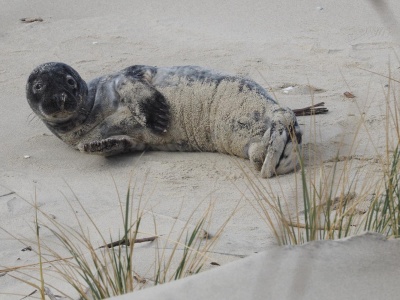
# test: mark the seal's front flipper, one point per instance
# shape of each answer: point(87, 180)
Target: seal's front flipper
point(111, 146)
point(147, 105)
point(155, 108)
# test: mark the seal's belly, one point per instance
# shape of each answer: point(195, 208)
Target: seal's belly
point(207, 117)
point(215, 117)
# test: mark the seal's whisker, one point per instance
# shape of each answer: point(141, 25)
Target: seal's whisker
point(32, 117)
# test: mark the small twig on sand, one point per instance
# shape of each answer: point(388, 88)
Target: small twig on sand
point(31, 20)
point(127, 243)
point(7, 194)
point(29, 295)
point(334, 203)
point(315, 109)
point(139, 279)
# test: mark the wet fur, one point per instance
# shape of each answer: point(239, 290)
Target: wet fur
point(173, 109)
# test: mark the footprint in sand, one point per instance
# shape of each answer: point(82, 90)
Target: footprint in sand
point(16, 206)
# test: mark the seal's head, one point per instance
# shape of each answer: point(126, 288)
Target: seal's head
point(56, 92)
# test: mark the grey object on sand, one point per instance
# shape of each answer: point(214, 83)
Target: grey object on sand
point(183, 108)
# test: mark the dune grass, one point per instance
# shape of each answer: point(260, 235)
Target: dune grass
point(383, 215)
point(332, 199)
point(101, 271)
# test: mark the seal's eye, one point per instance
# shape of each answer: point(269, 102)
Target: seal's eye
point(37, 86)
point(71, 82)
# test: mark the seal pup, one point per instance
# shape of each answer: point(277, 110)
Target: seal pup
point(182, 108)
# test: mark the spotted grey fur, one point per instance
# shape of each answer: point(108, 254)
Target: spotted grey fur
point(184, 108)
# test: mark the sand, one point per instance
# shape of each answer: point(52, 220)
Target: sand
point(353, 268)
point(326, 44)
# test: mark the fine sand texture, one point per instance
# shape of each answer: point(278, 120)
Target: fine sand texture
point(302, 52)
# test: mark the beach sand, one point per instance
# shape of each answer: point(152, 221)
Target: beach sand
point(333, 46)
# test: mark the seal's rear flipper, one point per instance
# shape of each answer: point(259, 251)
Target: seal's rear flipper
point(257, 151)
point(275, 150)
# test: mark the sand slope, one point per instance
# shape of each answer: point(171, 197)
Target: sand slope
point(362, 267)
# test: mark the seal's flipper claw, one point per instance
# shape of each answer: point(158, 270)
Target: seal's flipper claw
point(156, 112)
point(111, 146)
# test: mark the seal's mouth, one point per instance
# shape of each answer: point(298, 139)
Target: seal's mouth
point(61, 100)
point(59, 107)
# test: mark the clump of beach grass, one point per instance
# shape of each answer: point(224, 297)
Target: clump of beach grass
point(335, 199)
point(99, 272)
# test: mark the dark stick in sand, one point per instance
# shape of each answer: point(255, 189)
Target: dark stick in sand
point(315, 109)
point(127, 243)
point(31, 20)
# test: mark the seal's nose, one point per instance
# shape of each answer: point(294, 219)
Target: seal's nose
point(60, 100)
